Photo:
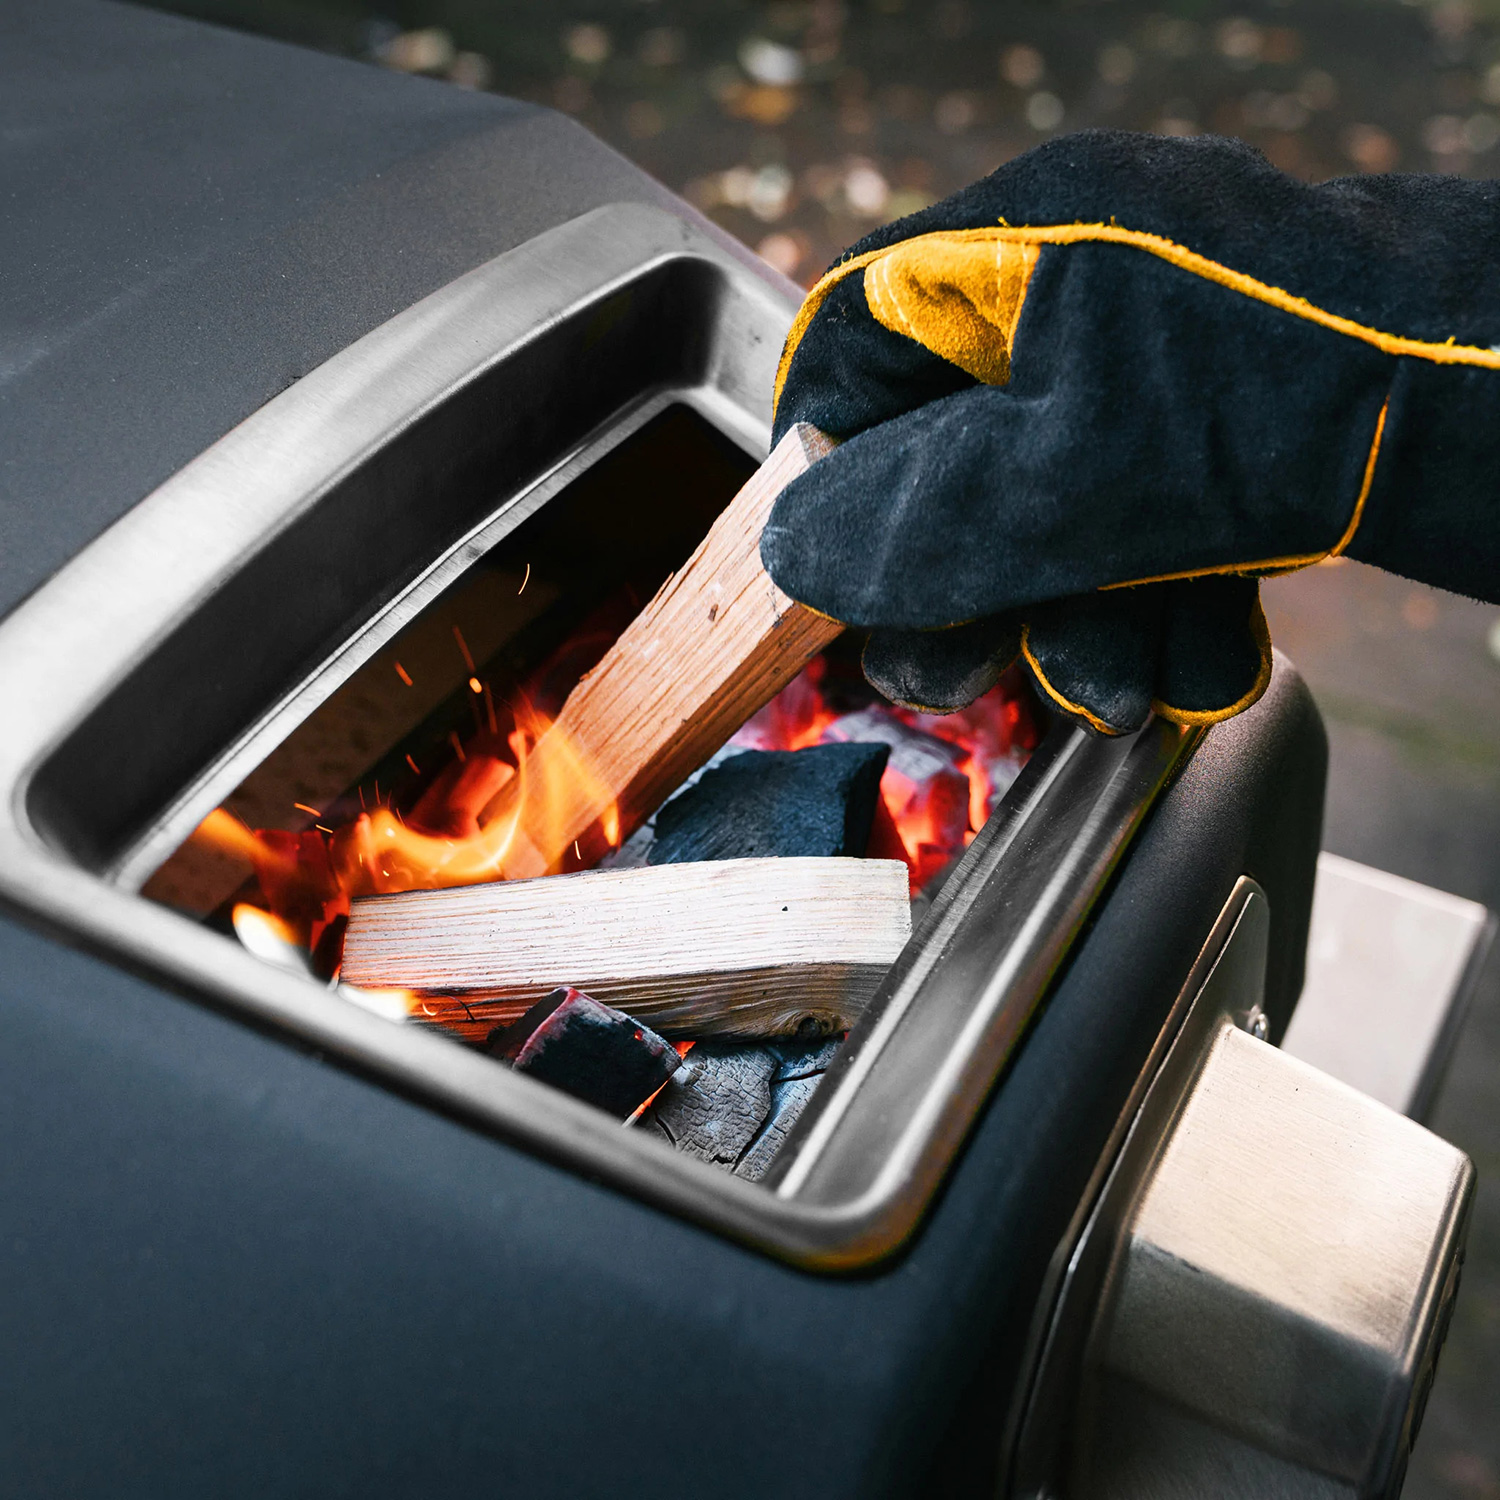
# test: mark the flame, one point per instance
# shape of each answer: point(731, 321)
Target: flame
point(502, 800)
point(483, 818)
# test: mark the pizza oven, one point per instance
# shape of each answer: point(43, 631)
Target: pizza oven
point(1046, 1213)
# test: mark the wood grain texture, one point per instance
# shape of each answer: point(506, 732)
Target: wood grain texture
point(717, 642)
point(743, 947)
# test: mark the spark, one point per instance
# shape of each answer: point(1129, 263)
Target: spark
point(524, 581)
point(403, 674)
point(463, 646)
point(577, 851)
point(323, 828)
point(416, 769)
point(303, 807)
point(475, 686)
point(458, 745)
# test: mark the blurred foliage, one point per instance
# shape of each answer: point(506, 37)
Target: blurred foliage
point(798, 124)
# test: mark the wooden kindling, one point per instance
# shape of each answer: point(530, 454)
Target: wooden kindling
point(717, 642)
point(740, 947)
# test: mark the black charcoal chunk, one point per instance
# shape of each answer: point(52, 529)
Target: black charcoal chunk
point(717, 1102)
point(735, 1105)
point(818, 801)
point(586, 1049)
point(797, 1080)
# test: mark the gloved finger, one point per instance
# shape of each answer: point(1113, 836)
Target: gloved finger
point(851, 373)
point(900, 526)
point(1215, 650)
point(1094, 658)
point(941, 671)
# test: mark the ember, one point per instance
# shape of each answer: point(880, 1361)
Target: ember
point(943, 778)
point(530, 723)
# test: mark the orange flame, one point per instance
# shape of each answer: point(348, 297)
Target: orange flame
point(481, 819)
point(500, 802)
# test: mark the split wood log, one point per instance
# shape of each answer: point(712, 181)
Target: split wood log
point(820, 800)
point(717, 642)
point(741, 947)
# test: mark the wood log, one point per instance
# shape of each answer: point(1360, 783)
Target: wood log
point(743, 947)
point(817, 801)
point(591, 1051)
point(734, 1106)
point(717, 642)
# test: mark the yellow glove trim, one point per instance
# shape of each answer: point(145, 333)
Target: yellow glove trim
point(1191, 718)
point(1198, 718)
point(1448, 353)
point(1066, 704)
point(958, 298)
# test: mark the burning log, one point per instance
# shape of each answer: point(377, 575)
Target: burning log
point(745, 947)
point(588, 1050)
point(717, 642)
point(734, 1106)
point(819, 801)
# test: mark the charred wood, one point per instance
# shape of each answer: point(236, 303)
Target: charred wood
point(817, 801)
point(591, 1051)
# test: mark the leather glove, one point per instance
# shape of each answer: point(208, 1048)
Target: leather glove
point(1090, 400)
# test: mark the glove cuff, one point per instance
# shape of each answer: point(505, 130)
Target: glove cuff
point(1433, 510)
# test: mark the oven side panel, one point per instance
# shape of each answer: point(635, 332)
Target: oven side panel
point(1250, 802)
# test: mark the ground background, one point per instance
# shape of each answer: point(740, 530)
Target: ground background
point(799, 126)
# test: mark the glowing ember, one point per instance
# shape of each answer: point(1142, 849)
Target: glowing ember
point(468, 823)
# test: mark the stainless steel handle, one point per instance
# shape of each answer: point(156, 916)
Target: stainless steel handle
point(1254, 1301)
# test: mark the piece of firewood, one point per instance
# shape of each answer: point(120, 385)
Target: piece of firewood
point(733, 1105)
point(820, 800)
point(717, 642)
point(740, 947)
point(591, 1051)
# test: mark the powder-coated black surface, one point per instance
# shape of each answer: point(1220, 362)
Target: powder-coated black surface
point(229, 1268)
point(193, 219)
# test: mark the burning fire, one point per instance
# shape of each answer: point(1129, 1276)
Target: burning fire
point(467, 822)
point(946, 771)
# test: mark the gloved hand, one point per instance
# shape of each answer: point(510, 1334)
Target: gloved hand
point(1091, 399)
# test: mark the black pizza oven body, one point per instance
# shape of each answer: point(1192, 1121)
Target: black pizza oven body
point(234, 1266)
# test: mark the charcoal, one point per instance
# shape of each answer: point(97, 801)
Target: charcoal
point(716, 1104)
point(734, 1106)
point(589, 1050)
point(818, 801)
point(797, 1080)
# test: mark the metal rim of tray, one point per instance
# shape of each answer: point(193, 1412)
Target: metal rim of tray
point(860, 1168)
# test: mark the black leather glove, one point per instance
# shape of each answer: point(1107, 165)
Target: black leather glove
point(1091, 399)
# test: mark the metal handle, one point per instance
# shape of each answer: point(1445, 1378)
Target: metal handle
point(1254, 1301)
point(1273, 1314)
